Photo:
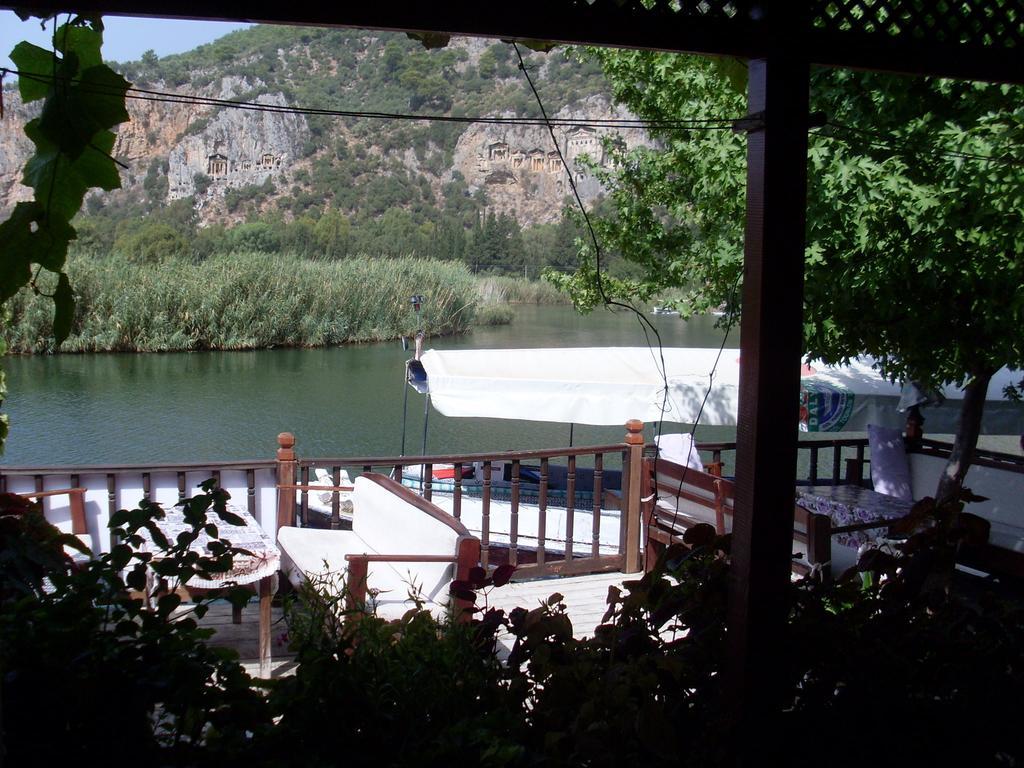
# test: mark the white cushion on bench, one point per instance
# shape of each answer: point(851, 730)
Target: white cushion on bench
point(383, 523)
point(890, 471)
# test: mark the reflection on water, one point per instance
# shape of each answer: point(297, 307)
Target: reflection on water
point(345, 401)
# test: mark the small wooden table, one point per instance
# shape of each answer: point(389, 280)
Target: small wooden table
point(259, 568)
point(852, 505)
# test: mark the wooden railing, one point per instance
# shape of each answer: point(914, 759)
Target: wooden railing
point(521, 484)
point(982, 458)
point(813, 458)
point(107, 488)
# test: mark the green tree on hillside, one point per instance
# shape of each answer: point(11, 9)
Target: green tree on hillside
point(496, 244)
point(331, 234)
point(915, 231)
point(152, 242)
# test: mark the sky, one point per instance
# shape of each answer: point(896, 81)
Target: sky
point(124, 38)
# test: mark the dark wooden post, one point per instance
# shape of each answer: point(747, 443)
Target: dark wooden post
point(914, 431)
point(467, 558)
point(286, 476)
point(819, 544)
point(631, 489)
point(648, 482)
point(771, 345)
point(854, 471)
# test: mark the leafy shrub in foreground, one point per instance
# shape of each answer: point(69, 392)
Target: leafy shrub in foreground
point(884, 667)
point(91, 671)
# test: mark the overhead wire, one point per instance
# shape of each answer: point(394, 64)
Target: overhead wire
point(169, 97)
point(874, 139)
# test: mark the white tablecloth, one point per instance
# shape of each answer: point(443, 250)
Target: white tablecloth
point(264, 561)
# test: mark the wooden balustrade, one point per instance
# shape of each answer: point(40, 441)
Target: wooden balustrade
point(842, 468)
point(106, 488)
point(514, 512)
point(533, 507)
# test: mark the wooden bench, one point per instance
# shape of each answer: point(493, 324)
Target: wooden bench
point(681, 497)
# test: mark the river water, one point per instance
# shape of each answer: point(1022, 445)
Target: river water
point(343, 401)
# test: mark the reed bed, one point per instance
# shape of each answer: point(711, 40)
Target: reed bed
point(515, 290)
point(494, 314)
point(245, 301)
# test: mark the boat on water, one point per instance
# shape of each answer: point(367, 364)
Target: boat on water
point(666, 311)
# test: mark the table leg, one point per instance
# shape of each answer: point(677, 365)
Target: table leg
point(266, 593)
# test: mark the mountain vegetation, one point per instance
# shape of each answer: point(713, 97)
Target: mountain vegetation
point(345, 185)
point(291, 193)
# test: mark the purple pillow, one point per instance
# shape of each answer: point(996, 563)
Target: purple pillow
point(890, 470)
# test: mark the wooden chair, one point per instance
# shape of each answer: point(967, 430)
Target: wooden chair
point(397, 540)
point(686, 497)
point(76, 503)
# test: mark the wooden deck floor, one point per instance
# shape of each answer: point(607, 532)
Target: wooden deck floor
point(585, 599)
point(244, 637)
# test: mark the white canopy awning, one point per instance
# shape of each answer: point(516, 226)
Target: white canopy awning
point(610, 385)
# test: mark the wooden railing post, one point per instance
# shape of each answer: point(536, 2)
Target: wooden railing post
point(819, 545)
point(854, 471)
point(631, 476)
point(468, 557)
point(286, 465)
point(914, 431)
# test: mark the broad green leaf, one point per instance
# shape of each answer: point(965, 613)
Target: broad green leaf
point(16, 234)
point(32, 60)
point(106, 90)
point(83, 41)
point(31, 238)
point(66, 123)
point(63, 309)
point(95, 167)
point(56, 183)
point(54, 236)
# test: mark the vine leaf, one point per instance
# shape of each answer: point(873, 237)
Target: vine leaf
point(83, 100)
point(20, 245)
point(64, 308)
point(106, 90)
point(32, 60)
point(83, 42)
point(31, 238)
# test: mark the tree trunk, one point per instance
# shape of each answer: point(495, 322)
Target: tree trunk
point(966, 439)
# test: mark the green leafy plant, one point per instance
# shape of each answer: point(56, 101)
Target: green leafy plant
point(936, 671)
point(92, 664)
point(82, 100)
point(410, 692)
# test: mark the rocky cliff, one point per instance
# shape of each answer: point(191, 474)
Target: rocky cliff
point(521, 170)
point(177, 151)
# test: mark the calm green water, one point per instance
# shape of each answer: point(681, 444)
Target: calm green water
point(208, 406)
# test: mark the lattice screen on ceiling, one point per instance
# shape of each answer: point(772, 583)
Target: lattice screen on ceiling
point(964, 23)
point(970, 23)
